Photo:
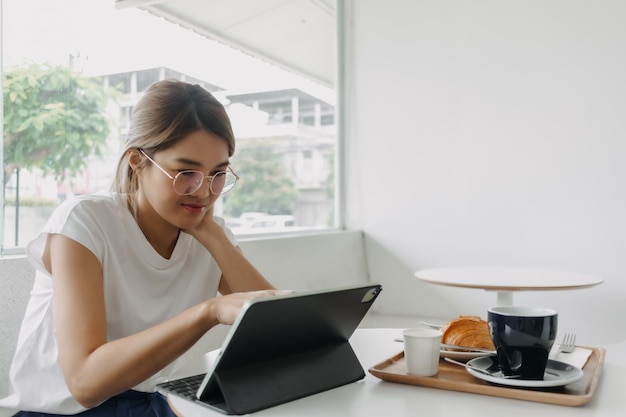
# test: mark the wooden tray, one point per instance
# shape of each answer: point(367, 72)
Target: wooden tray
point(456, 378)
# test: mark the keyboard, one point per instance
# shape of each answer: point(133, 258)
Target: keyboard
point(184, 387)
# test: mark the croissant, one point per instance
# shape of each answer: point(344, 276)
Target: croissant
point(467, 331)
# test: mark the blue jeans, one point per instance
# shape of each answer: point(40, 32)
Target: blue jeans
point(127, 404)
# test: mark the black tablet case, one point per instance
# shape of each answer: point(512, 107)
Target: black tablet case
point(288, 347)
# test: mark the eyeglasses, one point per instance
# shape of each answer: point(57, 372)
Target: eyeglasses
point(189, 181)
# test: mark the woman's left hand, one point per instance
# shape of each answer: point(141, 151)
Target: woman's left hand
point(238, 274)
point(206, 227)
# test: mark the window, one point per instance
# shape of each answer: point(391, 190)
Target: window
point(97, 59)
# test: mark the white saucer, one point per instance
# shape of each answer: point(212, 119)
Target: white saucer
point(560, 374)
point(459, 355)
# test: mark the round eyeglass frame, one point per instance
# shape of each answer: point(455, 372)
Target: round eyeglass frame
point(225, 189)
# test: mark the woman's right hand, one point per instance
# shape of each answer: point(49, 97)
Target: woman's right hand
point(225, 309)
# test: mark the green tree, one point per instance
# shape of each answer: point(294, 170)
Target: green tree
point(54, 119)
point(264, 186)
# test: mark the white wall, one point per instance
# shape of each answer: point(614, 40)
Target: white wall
point(490, 132)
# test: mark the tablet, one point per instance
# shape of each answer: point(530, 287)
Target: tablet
point(282, 348)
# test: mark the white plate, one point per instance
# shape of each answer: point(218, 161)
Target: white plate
point(560, 374)
point(459, 355)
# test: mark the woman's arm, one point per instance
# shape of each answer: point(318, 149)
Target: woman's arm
point(238, 274)
point(95, 369)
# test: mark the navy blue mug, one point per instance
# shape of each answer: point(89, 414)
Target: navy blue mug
point(523, 337)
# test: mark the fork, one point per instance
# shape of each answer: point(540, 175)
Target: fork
point(568, 344)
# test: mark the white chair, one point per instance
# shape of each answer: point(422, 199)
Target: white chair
point(16, 281)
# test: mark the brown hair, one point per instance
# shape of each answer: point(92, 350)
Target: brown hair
point(169, 111)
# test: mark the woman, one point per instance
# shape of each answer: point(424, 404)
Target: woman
point(126, 282)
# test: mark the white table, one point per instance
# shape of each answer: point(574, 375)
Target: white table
point(507, 280)
point(374, 397)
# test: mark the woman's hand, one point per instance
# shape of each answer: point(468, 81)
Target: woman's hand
point(226, 308)
point(238, 274)
point(206, 227)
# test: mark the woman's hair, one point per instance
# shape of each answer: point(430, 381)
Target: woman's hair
point(169, 111)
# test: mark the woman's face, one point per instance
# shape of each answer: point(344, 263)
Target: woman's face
point(158, 202)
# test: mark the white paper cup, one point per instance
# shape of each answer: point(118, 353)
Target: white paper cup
point(421, 351)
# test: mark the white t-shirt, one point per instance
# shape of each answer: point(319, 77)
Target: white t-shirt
point(141, 289)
